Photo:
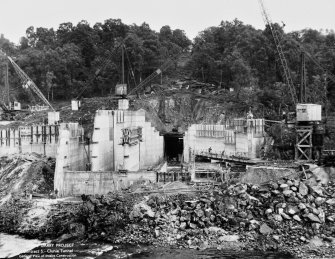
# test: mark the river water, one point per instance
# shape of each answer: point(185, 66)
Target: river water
point(17, 247)
point(12, 245)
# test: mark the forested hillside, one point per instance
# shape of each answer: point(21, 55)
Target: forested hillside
point(66, 59)
point(231, 56)
point(238, 56)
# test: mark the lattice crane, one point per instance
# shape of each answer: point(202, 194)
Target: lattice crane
point(27, 81)
point(102, 64)
point(275, 35)
point(156, 73)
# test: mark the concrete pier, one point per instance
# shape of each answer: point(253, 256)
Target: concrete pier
point(121, 141)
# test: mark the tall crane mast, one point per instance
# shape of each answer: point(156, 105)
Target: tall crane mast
point(27, 81)
point(106, 61)
point(275, 35)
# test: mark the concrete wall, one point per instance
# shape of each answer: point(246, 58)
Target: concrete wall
point(71, 153)
point(80, 182)
point(41, 139)
point(103, 141)
point(153, 149)
point(240, 137)
point(108, 151)
point(242, 144)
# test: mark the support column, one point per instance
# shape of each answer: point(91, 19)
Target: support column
point(304, 146)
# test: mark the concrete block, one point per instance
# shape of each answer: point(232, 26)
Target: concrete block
point(123, 104)
point(75, 105)
point(53, 118)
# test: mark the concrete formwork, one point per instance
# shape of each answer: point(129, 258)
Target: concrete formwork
point(41, 139)
point(243, 137)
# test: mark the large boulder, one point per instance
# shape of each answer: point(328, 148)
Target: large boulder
point(313, 218)
point(303, 189)
point(265, 229)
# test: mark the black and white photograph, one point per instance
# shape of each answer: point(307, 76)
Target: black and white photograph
point(167, 129)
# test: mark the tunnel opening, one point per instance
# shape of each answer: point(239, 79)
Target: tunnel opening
point(173, 146)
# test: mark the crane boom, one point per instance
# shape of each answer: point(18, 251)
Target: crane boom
point(275, 35)
point(102, 64)
point(157, 72)
point(27, 82)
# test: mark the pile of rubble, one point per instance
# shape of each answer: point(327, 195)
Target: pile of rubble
point(283, 214)
point(286, 214)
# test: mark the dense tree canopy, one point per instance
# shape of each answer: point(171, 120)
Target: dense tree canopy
point(62, 61)
point(232, 56)
point(237, 56)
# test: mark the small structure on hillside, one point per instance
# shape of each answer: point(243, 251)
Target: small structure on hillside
point(75, 104)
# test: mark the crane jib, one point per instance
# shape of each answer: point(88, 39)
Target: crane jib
point(27, 81)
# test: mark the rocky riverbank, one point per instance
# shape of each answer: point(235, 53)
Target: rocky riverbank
point(289, 215)
point(292, 215)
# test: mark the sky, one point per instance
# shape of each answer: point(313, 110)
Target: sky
point(192, 16)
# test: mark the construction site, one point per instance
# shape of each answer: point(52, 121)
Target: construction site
point(172, 160)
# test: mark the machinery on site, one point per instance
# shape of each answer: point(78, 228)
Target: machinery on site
point(168, 63)
point(27, 83)
point(8, 108)
point(5, 111)
point(283, 61)
point(120, 89)
point(309, 127)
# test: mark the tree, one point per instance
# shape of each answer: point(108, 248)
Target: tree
point(64, 33)
point(179, 37)
point(230, 55)
point(165, 33)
